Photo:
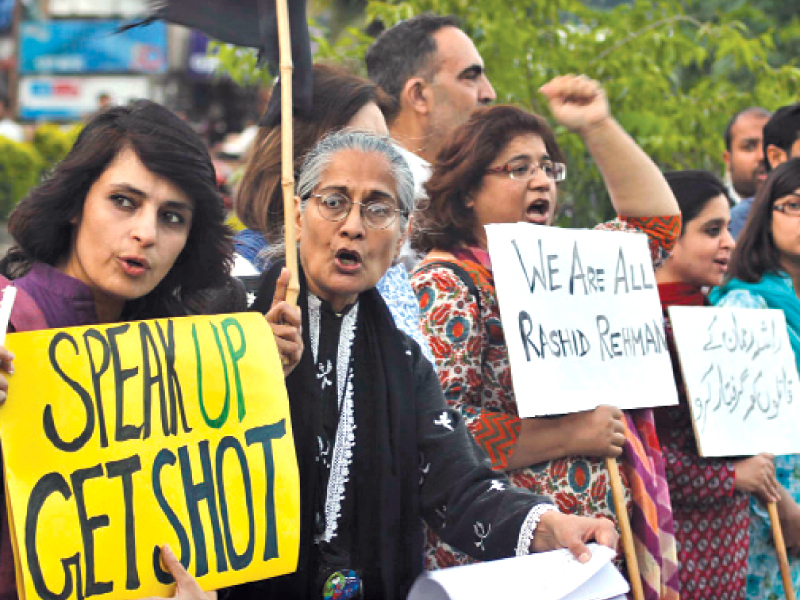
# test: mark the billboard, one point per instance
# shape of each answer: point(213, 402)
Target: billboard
point(70, 98)
point(78, 46)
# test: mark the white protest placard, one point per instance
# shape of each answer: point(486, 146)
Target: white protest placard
point(741, 379)
point(582, 319)
point(552, 575)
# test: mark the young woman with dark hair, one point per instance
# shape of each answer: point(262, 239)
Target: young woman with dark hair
point(765, 273)
point(128, 226)
point(152, 139)
point(502, 166)
point(710, 496)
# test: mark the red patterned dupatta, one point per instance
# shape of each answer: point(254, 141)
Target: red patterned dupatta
point(643, 463)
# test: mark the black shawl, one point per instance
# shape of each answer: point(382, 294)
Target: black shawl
point(384, 474)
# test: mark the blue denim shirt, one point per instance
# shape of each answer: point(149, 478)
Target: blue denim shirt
point(739, 217)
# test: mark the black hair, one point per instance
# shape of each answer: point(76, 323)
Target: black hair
point(782, 130)
point(405, 51)
point(755, 253)
point(694, 189)
point(42, 223)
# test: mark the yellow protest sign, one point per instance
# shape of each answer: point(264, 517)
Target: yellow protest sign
point(120, 438)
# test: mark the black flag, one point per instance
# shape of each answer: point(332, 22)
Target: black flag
point(250, 23)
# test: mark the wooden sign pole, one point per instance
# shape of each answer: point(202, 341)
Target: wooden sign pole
point(780, 548)
point(625, 529)
point(287, 149)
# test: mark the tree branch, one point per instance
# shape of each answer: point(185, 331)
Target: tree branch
point(635, 34)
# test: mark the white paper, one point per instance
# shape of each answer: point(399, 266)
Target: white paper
point(741, 379)
point(582, 319)
point(6, 304)
point(544, 576)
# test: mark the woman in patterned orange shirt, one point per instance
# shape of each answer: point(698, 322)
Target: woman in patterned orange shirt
point(502, 166)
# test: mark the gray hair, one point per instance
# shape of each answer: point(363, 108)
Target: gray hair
point(321, 155)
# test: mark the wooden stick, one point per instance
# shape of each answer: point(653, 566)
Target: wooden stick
point(780, 548)
point(287, 149)
point(625, 529)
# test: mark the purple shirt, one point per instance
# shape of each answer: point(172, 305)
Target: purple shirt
point(64, 300)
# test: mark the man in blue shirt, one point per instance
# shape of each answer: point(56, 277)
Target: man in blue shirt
point(780, 142)
point(744, 158)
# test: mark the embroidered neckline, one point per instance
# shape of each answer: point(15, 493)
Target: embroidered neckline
point(345, 432)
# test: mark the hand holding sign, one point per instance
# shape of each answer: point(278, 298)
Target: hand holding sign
point(7, 365)
point(577, 102)
point(168, 431)
point(186, 587)
point(286, 322)
point(6, 357)
point(599, 432)
point(756, 475)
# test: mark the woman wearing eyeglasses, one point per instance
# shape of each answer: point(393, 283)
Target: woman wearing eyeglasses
point(765, 273)
point(502, 166)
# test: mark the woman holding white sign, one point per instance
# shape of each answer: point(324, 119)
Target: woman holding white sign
point(710, 496)
point(502, 166)
point(128, 226)
point(765, 273)
point(377, 446)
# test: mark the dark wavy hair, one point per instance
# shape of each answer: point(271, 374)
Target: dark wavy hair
point(693, 190)
point(755, 253)
point(338, 95)
point(459, 169)
point(42, 222)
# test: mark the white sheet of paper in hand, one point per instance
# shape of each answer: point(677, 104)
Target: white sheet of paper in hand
point(552, 575)
point(6, 304)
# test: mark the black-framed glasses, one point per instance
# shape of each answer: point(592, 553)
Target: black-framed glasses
point(790, 208)
point(525, 171)
point(336, 206)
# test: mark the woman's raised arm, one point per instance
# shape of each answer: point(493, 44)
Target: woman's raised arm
point(635, 184)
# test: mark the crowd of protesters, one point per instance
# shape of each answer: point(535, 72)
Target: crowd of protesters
point(419, 447)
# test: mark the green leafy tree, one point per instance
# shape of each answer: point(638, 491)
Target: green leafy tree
point(53, 142)
point(674, 71)
point(20, 165)
point(672, 80)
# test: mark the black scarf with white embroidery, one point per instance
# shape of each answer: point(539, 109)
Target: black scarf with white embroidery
point(383, 490)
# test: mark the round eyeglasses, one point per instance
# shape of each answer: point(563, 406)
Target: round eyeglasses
point(336, 206)
point(790, 208)
point(525, 171)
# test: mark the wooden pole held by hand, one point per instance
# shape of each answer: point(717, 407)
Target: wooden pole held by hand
point(780, 548)
point(287, 149)
point(625, 529)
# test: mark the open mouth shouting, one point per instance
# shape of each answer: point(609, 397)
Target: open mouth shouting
point(538, 211)
point(348, 261)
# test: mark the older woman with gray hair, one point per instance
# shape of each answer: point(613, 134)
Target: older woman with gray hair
point(377, 447)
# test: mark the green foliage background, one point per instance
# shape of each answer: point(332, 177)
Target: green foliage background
point(22, 164)
point(674, 71)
